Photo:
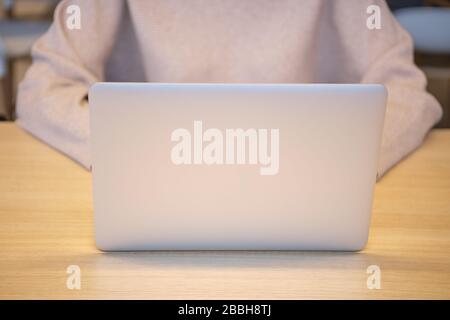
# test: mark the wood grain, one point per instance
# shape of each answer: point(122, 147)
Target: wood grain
point(46, 225)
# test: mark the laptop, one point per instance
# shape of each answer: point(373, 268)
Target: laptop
point(194, 166)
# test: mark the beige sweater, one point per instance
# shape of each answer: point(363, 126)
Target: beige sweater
point(297, 41)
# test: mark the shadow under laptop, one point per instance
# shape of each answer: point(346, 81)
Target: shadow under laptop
point(238, 274)
point(237, 259)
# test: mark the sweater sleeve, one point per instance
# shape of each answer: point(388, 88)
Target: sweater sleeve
point(52, 98)
point(411, 111)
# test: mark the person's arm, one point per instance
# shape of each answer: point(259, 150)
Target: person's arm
point(52, 99)
point(411, 111)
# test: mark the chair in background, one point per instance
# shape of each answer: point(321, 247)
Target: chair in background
point(2, 76)
point(429, 27)
point(18, 34)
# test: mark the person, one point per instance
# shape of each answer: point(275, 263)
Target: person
point(264, 41)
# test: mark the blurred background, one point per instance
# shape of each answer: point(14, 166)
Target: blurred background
point(428, 21)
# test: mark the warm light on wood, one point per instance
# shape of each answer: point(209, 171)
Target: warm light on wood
point(46, 228)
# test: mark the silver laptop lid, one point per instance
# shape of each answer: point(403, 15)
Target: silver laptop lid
point(234, 166)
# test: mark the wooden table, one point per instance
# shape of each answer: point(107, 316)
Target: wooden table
point(46, 225)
